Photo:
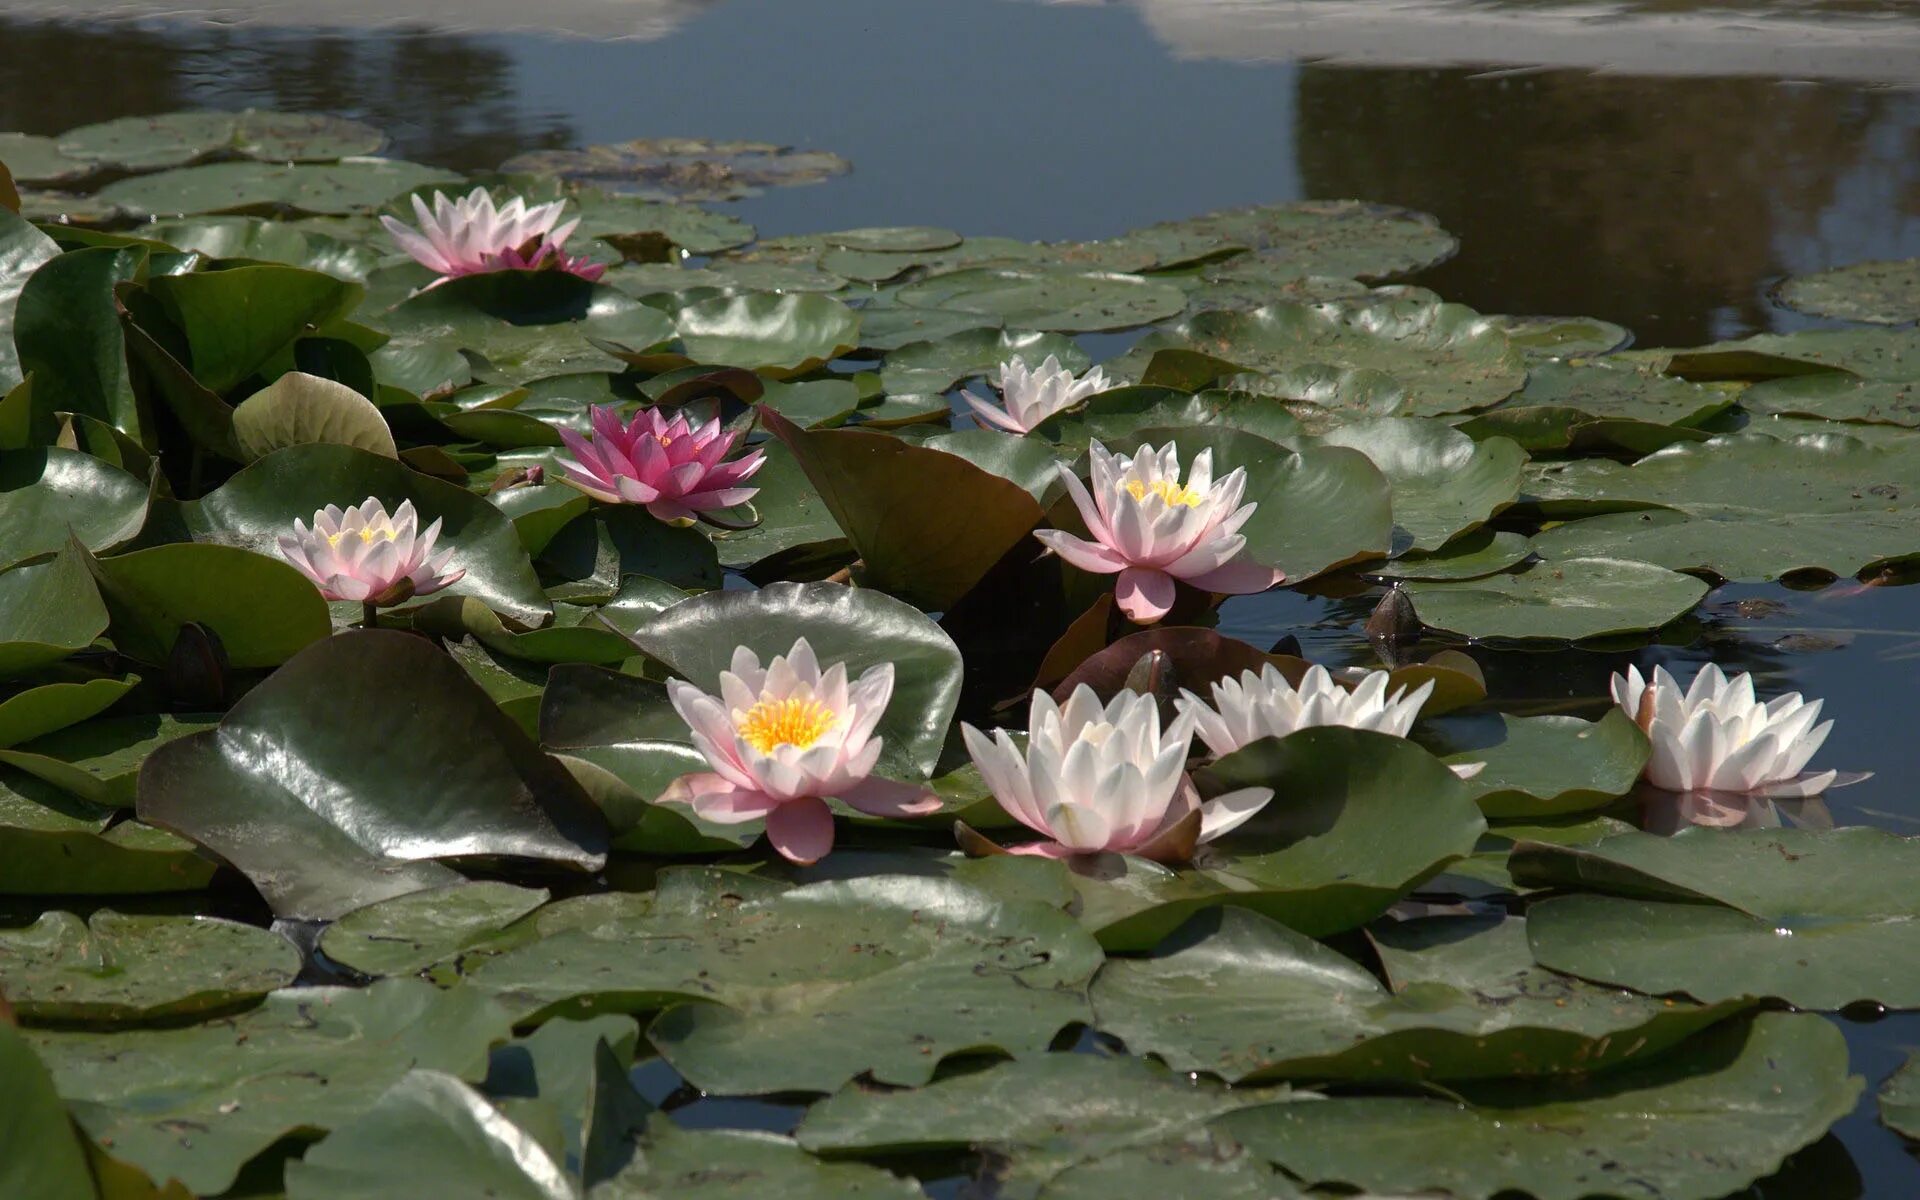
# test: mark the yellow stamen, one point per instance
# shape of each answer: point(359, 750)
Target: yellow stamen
point(665, 439)
point(1169, 491)
point(790, 722)
point(367, 534)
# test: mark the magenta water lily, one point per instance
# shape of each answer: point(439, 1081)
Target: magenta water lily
point(676, 469)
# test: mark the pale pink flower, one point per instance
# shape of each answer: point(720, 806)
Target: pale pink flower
point(364, 555)
point(1717, 737)
point(1096, 778)
point(672, 467)
point(785, 739)
point(1030, 396)
point(472, 236)
point(1151, 529)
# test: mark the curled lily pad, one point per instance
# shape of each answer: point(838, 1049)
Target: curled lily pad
point(1542, 766)
point(1443, 482)
point(1243, 997)
point(1800, 914)
point(298, 408)
point(262, 610)
point(97, 760)
point(1055, 300)
point(1880, 293)
point(51, 494)
point(1469, 556)
point(306, 1059)
point(1755, 1092)
point(683, 168)
point(120, 968)
point(1565, 600)
point(935, 967)
point(22, 251)
point(278, 761)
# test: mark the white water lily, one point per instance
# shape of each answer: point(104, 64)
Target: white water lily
point(1264, 705)
point(1716, 736)
point(362, 554)
point(1031, 395)
point(1100, 778)
point(471, 235)
point(1150, 529)
point(784, 739)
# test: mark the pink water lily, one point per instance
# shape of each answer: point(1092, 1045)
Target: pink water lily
point(784, 739)
point(361, 554)
point(1717, 737)
point(1151, 529)
point(672, 467)
point(1098, 778)
point(473, 236)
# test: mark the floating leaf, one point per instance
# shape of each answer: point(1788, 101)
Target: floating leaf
point(119, 968)
point(56, 846)
point(48, 610)
point(1834, 396)
point(1244, 998)
point(1443, 481)
point(1565, 600)
point(150, 143)
point(1800, 914)
point(298, 753)
point(262, 610)
point(1881, 293)
point(682, 1165)
point(783, 335)
point(50, 494)
point(409, 933)
point(1053, 300)
point(1349, 238)
point(23, 249)
point(1469, 556)
point(31, 159)
point(354, 185)
point(1564, 337)
point(938, 365)
point(1754, 1092)
point(1601, 405)
point(626, 222)
point(306, 1059)
point(683, 168)
point(97, 760)
point(1899, 1105)
point(1542, 766)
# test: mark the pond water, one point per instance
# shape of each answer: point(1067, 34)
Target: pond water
point(1656, 165)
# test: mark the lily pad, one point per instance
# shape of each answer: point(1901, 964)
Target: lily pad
point(1564, 337)
point(624, 222)
point(22, 251)
point(1049, 299)
point(298, 408)
point(1800, 914)
point(857, 626)
point(1564, 600)
point(1868, 353)
point(938, 365)
point(262, 610)
point(1601, 405)
point(1428, 357)
point(1754, 1092)
point(150, 143)
point(683, 168)
point(306, 1059)
point(48, 495)
point(48, 610)
point(349, 186)
point(1444, 482)
point(681, 1164)
point(931, 967)
point(1879, 293)
point(409, 933)
point(1899, 1101)
point(1350, 238)
point(1542, 766)
point(98, 760)
point(297, 753)
point(31, 159)
point(893, 239)
point(782, 335)
point(1469, 556)
point(1834, 396)
point(119, 968)
point(1245, 998)
point(1741, 547)
point(58, 846)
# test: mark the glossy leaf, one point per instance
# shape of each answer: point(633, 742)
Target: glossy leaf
point(119, 968)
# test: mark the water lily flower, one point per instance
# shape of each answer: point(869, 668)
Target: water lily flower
point(1151, 529)
point(1106, 777)
point(1264, 705)
point(472, 236)
point(784, 739)
point(669, 465)
point(1031, 395)
point(1717, 737)
point(364, 555)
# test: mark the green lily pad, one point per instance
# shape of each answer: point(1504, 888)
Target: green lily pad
point(1879, 293)
point(48, 495)
point(39, 1152)
point(1044, 1116)
point(150, 143)
point(31, 159)
point(298, 754)
point(1899, 1101)
point(683, 168)
point(23, 249)
point(48, 610)
point(1062, 301)
point(58, 846)
point(893, 500)
point(893, 239)
point(97, 760)
point(1350, 238)
point(67, 329)
point(938, 365)
point(1112, 415)
point(625, 221)
point(1563, 337)
point(1742, 547)
point(258, 504)
point(1247, 282)
point(681, 1164)
point(1443, 481)
point(306, 1059)
point(409, 933)
point(1430, 358)
point(1469, 556)
point(780, 334)
point(932, 967)
point(1542, 766)
point(857, 626)
point(1245, 998)
point(38, 709)
point(120, 968)
point(1564, 600)
point(298, 408)
point(1753, 1092)
point(1800, 914)
point(262, 610)
point(235, 320)
point(341, 188)
point(1868, 353)
point(1838, 397)
point(304, 137)
point(429, 1124)
point(1601, 405)
point(256, 239)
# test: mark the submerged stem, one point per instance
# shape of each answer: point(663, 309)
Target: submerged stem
point(369, 615)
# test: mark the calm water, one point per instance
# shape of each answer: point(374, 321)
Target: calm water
point(1581, 175)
